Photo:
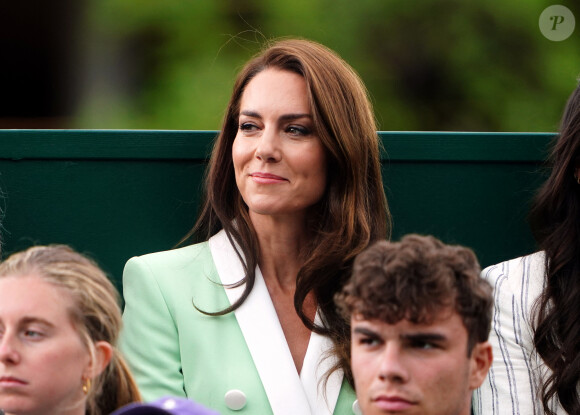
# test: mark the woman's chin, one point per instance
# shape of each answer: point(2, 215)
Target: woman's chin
point(17, 406)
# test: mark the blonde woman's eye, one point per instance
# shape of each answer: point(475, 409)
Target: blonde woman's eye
point(32, 334)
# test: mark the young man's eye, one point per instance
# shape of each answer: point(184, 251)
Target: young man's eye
point(368, 341)
point(425, 345)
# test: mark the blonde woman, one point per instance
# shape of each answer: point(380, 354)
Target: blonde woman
point(59, 323)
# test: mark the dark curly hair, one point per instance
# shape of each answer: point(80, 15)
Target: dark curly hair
point(416, 278)
point(555, 222)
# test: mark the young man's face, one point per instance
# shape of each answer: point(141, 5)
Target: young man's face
point(408, 368)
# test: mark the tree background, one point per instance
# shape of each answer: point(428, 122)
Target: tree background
point(429, 65)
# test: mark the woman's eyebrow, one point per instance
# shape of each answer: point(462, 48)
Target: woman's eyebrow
point(290, 117)
point(285, 117)
point(253, 114)
point(36, 320)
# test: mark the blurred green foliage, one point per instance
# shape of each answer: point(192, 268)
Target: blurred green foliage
point(452, 65)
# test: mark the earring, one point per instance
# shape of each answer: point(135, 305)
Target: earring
point(86, 385)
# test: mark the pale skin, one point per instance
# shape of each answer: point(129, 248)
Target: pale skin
point(280, 167)
point(408, 368)
point(43, 361)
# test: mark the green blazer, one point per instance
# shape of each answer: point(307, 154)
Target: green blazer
point(236, 363)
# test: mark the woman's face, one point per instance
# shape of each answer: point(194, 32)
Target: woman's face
point(279, 161)
point(42, 358)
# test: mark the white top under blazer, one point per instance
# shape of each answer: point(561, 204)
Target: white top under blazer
point(513, 383)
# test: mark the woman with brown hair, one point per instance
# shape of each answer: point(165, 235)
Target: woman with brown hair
point(244, 319)
point(59, 324)
point(536, 322)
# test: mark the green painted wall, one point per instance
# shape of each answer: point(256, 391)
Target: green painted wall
point(115, 194)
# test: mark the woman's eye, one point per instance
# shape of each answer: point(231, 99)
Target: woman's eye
point(246, 126)
point(297, 130)
point(32, 334)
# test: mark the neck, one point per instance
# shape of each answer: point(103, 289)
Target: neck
point(467, 408)
point(78, 409)
point(282, 246)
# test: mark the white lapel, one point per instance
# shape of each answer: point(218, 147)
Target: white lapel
point(262, 332)
point(316, 363)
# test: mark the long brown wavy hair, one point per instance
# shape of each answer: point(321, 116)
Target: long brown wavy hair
point(555, 221)
point(95, 313)
point(353, 211)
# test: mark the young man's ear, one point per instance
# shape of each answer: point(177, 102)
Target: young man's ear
point(481, 359)
point(103, 355)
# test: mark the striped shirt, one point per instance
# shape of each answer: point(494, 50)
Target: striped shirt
point(513, 383)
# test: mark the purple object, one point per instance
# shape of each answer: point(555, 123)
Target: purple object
point(168, 405)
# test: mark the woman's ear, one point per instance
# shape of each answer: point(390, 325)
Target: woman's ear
point(481, 359)
point(103, 355)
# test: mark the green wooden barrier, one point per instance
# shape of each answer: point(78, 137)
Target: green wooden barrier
point(116, 194)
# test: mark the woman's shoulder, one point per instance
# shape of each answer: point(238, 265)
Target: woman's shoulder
point(177, 273)
point(523, 275)
point(532, 263)
point(175, 259)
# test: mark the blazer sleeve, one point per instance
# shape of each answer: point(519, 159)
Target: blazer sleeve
point(149, 340)
point(511, 384)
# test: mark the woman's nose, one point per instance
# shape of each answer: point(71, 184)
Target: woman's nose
point(268, 149)
point(393, 365)
point(8, 351)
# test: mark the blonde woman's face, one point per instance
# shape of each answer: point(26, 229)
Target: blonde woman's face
point(42, 358)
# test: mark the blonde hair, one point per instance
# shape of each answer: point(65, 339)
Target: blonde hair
point(95, 313)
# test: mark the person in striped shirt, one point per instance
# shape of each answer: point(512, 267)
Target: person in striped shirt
point(536, 322)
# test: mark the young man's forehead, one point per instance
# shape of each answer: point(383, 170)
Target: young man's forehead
point(445, 318)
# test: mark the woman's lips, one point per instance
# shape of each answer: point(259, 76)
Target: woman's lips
point(266, 178)
point(392, 403)
point(6, 381)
